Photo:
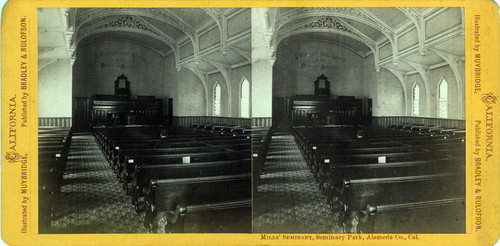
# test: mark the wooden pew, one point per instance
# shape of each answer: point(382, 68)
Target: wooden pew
point(211, 195)
point(334, 179)
point(429, 165)
point(143, 174)
point(261, 138)
point(140, 156)
point(361, 196)
point(128, 166)
point(435, 216)
point(177, 149)
point(53, 148)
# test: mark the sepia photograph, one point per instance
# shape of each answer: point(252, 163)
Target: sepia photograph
point(144, 120)
point(368, 121)
point(250, 122)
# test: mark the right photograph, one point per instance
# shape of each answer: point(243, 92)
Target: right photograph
point(368, 120)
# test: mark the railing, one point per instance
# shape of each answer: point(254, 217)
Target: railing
point(386, 121)
point(188, 120)
point(55, 121)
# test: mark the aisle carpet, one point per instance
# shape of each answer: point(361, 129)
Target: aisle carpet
point(288, 199)
point(92, 200)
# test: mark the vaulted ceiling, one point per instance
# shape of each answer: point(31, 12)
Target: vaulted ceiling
point(400, 39)
point(208, 40)
point(202, 40)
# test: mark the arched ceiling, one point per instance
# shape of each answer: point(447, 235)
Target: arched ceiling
point(146, 41)
point(357, 46)
point(197, 37)
point(399, 38)
point(210, 39)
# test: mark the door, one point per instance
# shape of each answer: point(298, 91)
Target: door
point(281, 113)
point(81, 114)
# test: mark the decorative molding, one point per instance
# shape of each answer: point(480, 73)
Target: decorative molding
point(325, 24)
point(129, 24)
point(128, 21)
point(71, 53)
point(246, 54)
point(159, 14)
point(247, 34)
point(241, 64)
point(69, 35)
point(328, 22)
point(444, 36)
point(333, 42)
point(419, 22)
point(215, 14)
point(130, 18)
point(357, 14)
point(376, 56)
point(220, 20)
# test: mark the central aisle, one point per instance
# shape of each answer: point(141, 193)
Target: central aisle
point(92, 200)
point(288, 198)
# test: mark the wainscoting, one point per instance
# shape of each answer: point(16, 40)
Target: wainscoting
point(54, 121)
point(386, 121)
point(188, 120)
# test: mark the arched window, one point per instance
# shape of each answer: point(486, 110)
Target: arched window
point(217, 99)
point(245, 99)
point(443, 99)
point(416, 100)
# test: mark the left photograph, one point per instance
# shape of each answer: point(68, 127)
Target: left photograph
point(144, 120)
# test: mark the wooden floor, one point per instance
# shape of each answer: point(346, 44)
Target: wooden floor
point(288, 199)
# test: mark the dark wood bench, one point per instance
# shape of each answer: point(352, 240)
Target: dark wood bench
point(174, 148)
point(445, 215)
point(423, 158)
point(143, 174)
point(53, 148)
point(128, 166)
point(126, 155)
point(213, 195)
point(362, 197)
point(261, 138)
point(333, 179)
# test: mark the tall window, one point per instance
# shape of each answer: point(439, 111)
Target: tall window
point(443, 99)
point(416, 100)
point(245, 99)
point(217, 99)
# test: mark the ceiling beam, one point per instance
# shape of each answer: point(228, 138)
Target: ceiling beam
point(246, 54)
point(419, 22)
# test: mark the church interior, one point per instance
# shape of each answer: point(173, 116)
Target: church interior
point(263, 120)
